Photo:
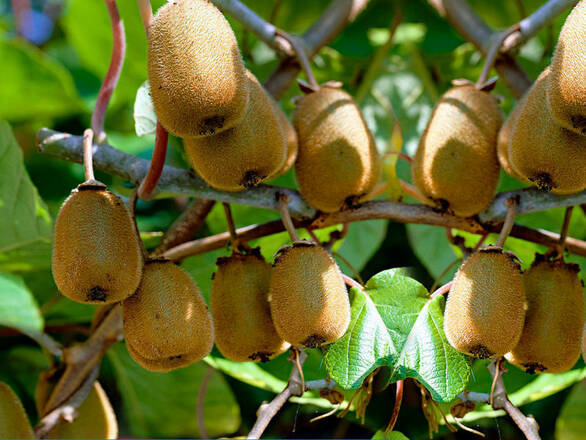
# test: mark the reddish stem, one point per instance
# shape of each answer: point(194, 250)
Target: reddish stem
point(412, 191)
point(397, 407)
point(157, 163)
point(113, 74)
point(350, 282)
point(442, 290)
point(401, 155)
point(146, 13)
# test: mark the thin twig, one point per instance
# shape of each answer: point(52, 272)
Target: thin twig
point(564, 230)
point(442, 290)
point(412, 191)
point(150, 181)
point(508, 223)
point(88, 146)
point(397, 406)
point(45, 341)
point(443, 274)
point(113, 74)
point(286, 217)
point(496, 42)
point(352, 283)
point(301, 55)
point(349, 265)
point(530, 26)
point(200, 401)
point(146, 13)
point(231, 227)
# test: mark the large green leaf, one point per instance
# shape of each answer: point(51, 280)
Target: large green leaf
point(24, 220)
point(159, 405)
point(33, 85)
point(571, 424)
point(18, 307)
point(395, 324)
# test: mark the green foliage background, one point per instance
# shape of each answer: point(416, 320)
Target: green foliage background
point(56, 85)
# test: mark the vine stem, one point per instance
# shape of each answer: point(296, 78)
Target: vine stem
point(113, 74)
point(564, 230)
point(350, 282)
point(200, 401)
point(146, 14)
point(286, 217)
point(509, 221)
point(150, 181)
point(45, 341)
point(301, 56)
point(231, 228)
point(442, 290)
point(88, 146)
point(497, 40)
point(397, 406)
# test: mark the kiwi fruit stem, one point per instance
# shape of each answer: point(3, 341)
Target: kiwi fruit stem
point(146, 14)
point(301, 57)
point(236, 243)
point(286, 217)
point(559, 249)
point(153, 175)
point(509, 221)
point(88, 143)
point(491, 56)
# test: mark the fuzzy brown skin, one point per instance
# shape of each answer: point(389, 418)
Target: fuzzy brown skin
point(566, 88)
point(196, 74)
point(551, 157)
point(291, 139)
point(551, 339)
point(241, 312)
point(163, 365)
point(95, 417)
point(167, 318)
point(96, 253)
point(584, 344)
point(485, 310)
point(14, 422)
point(338, 163)
point(246, 155)
point(308, 298)
point(504, 138)
point(456, 166)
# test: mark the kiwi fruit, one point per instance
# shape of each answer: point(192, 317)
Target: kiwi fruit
point(240, 309)
point(548, 155)
point(243, 156)
point(196, 74)
point(166, 322)
point(485, 309)
point(456, 166)
point(566, 88)
point(96, 253)
point(551, 338)
point(14, 422)
point(337, 163)
point(504, 138)
point(95, 416)
point(290, 139)
point(308, 298)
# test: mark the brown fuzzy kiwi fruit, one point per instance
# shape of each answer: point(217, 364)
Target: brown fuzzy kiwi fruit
point(338, 163)
point(166, 321)
point(95, 417)
point(485, 309)
point(243, 156)
point(96, 253)
point(308, 298)
point(456, 166)
point(551, 339)
point(196, 73)
point(566, 87)
point(240, 309)
point(504, 138)
point(290, 138)
point(551, 157)
point(14, 422)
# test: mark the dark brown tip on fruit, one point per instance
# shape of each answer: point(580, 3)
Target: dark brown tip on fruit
point(156, 260)
point(263, 356)
point(442, 205)
point(579, 122)
point(313, 341)
point(353, 201)
point(481, 352)
point(543, 182)
point(91, 185)
point(172, 358)
point(534, 367)
point(251, 179)
point(490, 249)
point(97, 293)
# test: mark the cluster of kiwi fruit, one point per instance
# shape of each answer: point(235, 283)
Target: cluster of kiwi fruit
point(533, 318)
point(235, 135)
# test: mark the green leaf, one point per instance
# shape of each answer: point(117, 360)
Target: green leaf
point(383, 435)
point(145, 119)
point(33, 85)
point(571, 424)
point(394, 323)
point(361, 243)
point(164, 405)
point(25, 242)
point(18, 308)
point(431, 246)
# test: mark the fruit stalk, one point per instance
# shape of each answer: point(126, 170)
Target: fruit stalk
point(157, 163)
point(88, 144)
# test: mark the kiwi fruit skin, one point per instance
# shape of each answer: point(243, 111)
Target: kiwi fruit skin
point(95, 416)
point(456, 166)
point(338, 163)
point(96, 253)
point(290, 139)
point(14, 422)
point(167, 320)
point(504, 139)
point(246, 155)
point(196, 74)
point(308, 298)
point(549, 156)
point(551, 339)
point(485, 310)
point(240, 309)
point(566, 88)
